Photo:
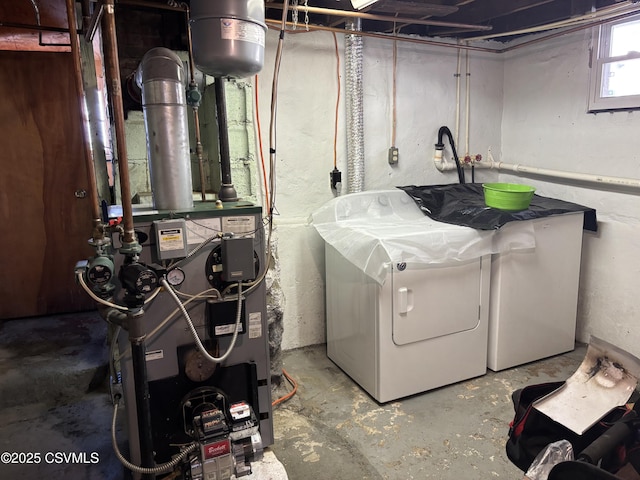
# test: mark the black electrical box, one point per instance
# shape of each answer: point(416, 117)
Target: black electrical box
point(237, 259)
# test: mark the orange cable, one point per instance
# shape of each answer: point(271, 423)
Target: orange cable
point(264, 171)
point(293, 383)
point(335, 134)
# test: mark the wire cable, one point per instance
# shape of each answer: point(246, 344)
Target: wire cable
point(162, 468)
point(193, 330)
point(107, 303)
point(259, 128)
point(286, 397)
point(202, 295)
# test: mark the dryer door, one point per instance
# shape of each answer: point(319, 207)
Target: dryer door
point(435, 300)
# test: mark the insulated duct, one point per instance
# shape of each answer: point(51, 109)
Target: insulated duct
point(162, 79)
point(354, 104)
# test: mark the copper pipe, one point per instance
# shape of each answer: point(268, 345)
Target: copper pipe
point(382, 18)
point(274, 24)
point(41, 28)
point(112, 69)
point(277, 24)
point(196, 119)
point(98, 227)
point(146, 4)
point(196, 122)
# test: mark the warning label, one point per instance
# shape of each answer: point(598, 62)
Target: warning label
point(171, 239)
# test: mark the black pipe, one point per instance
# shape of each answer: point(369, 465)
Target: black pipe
point(606, 442)
point(143, 406)
point(440, 146)
point(227, 193)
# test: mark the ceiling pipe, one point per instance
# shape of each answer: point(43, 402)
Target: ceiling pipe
point(603, 13)
point(570, 30)
point(98, 226)
point(382, 18)
point(420, 41)
point(154, 5)
point(41, 28)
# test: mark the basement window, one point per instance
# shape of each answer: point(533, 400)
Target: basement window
point(615, 73)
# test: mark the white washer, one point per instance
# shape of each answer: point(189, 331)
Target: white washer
point(420, 330)
point(534, 293)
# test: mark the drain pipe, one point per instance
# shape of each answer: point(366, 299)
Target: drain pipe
point(227, 192)
point(354, 105)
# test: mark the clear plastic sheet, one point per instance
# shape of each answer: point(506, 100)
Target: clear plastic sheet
point(554, 453)
point(463, 204)
point(375, 228)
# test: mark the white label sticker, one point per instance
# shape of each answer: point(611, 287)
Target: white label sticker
point(232, 29)
point(227, 329)
point(201, 229)
point(154, 355)
point(255, 325)
point(171, 239)
point(239, 225)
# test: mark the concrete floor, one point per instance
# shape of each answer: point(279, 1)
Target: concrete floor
point(330, 429)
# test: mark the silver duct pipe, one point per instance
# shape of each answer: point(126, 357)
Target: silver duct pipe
point(162, 79)
point(354, 104)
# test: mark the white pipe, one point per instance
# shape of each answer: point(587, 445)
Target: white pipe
point(583, 177)
point(467, 103)
point(444, 166)
point(603, 13)
point(457, 75)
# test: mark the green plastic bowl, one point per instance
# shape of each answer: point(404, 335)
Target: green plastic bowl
point(511, 197)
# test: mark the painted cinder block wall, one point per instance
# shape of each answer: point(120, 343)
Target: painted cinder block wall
point(528, 106)
point(426, 100)
point(545, 124)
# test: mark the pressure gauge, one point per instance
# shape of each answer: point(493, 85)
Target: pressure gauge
point(175, 276)
point(196, 367)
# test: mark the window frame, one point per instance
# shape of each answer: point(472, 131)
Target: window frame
point(599, 58)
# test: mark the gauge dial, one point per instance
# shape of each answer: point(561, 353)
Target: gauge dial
point(175, 276)
point(196, 367)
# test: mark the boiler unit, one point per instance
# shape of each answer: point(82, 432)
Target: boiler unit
point(221, 410)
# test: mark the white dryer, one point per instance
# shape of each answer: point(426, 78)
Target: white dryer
point(421, 329)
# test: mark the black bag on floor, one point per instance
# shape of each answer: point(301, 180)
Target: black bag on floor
point(531, 431)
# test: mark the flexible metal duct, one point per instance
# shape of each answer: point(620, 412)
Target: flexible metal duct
point(162, 79)
point(354, 103)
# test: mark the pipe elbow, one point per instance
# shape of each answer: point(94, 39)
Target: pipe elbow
point(160, 65)
point(114, 316)
point(438, 158)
